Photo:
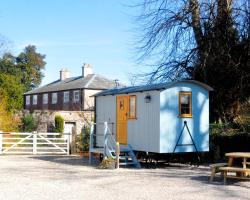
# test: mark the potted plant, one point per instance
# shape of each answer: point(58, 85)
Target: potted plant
point(108, 163)
point(82, 142)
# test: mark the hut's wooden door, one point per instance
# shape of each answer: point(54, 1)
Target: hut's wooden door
point(121, 119)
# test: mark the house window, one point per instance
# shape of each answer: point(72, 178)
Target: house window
point(132, 107)
point(45, 98)
point(54, 98)
point(27, 100)
point(76, 96)
point(34, 99)
point(66, 97)
point(185, 104)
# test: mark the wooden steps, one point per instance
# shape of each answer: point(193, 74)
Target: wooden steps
point(127, 156)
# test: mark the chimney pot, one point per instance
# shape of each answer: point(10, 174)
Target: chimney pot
point(87, 69)
point(64, 74)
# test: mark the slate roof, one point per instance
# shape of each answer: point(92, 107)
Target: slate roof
point(91, 81)
point(149, 87)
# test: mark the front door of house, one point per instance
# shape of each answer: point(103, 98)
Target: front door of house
point(121, 119)
point(68, 130)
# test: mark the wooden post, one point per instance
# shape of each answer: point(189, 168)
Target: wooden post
point(1, 142)
point(73, 142)
point(244, 167)
point(244, 163)
point(117, 153)
point(34, 142)
point(212, 174)
point(91, 142)
point(68, 143)
point(230, 162)
point(105, 139)
point(225, 177)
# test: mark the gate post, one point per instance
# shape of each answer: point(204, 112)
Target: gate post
point(68, 144)
point(91, 142)
point(117, 153)
point(105, 139)
point(1, 142)
point(34, 142)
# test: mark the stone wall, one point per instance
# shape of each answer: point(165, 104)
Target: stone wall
point(46, 118)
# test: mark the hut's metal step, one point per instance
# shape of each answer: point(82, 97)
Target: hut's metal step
point(128, 157)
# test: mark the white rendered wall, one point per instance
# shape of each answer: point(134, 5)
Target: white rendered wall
point(88, 101)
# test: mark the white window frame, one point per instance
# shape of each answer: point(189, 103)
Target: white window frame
point(45, 98)
point(27, 100)
point(78, 97)
point(34, 99)
point(66, 97)
point(54, 98)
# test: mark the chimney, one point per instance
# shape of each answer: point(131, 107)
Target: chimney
point(64, 73)
point(86, 70)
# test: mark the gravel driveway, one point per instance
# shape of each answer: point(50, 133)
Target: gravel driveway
point(69, 178)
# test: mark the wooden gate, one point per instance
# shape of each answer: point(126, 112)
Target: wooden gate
point(33, 143)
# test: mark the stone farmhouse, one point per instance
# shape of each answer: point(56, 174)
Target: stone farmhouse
point(70, 97)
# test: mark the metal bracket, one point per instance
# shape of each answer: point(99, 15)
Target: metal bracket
point(192, 144)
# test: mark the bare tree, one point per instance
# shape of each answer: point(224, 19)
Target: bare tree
point(206, 40)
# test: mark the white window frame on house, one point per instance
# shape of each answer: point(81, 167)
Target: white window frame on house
point(54, 98)
point(27, 100)
point(76, 96)
point(45, 98)
point(34, 99)
point(66, 97)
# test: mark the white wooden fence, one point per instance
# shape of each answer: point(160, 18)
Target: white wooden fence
point(34, 143)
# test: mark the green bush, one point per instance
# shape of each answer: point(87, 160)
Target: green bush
point(226, 138)
point(29, 124)
point(86, 135)
point(79, 143)
point(243, 118)
point(59, 124)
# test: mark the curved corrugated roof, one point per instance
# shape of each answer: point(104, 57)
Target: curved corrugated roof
point(91, 81)
point(149, 87)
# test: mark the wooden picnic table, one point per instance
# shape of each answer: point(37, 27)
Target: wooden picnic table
point(241, 171)
point(243, 155)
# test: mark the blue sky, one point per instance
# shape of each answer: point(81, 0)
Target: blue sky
point(73, 32)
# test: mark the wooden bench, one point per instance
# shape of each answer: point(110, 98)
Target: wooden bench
point(237, 170)
point(215, 169)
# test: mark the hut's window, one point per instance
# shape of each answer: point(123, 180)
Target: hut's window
point(185, 104)
point(121, 104)
point(132, 107)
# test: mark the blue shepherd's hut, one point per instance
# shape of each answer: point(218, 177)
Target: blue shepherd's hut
point(160, 118)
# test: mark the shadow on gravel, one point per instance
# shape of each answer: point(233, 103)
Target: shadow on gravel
point(171, 170)
point(193, 172)
point(67, 160)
